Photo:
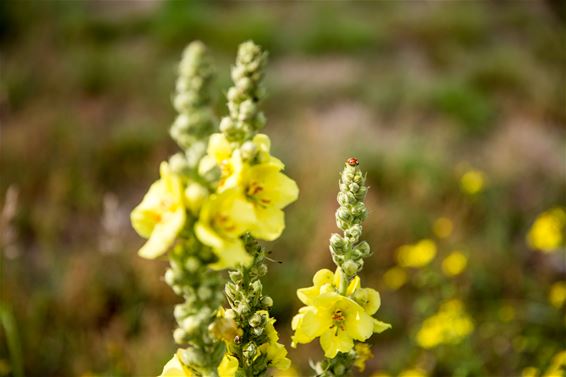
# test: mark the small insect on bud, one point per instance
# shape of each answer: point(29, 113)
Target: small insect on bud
point(352, 161)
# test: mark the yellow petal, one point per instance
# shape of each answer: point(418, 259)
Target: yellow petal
point(322, 277)
point(219, 148)
point(379, 327)
point(354, 284)
point(306, 295)
point(276, 189)
point(333, 342)
point(163, 235)
point(309, 324)
point(230, 255)
point(174, 368)
point(148, 212)
point(358, 324)
point(228, 366)
point(269, 225)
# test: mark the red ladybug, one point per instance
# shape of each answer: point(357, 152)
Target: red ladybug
point(352, 161)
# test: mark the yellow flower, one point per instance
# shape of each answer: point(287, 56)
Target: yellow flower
point(176, 368)
point(395, 278)
point(161, 214)
point(472, 182)
point(449, 326)
point(261, 182)
point(276, 355)
point(276, 352)
point(557, 294)
point(223, 219)
point(454, 263)
point(269, 191)
point(546, 233)
point(557, 367)
point(228, 366)
point(337, 320)
point(363, 354)
point(416, 255)
point(443, 227)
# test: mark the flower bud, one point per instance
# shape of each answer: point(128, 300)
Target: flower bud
point(339, 370)
point(343, 214)
point(235, 276)
point(267, 301)
point(191, 324)
point(195, 195)
point(354, 232)
point(350, 268)
point(256, 320)
point(248, 151)
point(170, 277)
point(261, 269)
point(363, 248)
point(179, 336)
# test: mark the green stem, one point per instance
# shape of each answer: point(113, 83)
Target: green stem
point(12, 339)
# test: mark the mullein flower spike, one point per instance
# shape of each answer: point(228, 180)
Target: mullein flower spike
point(167, 215)
point(338, 310)
point(223, 190)
point(250, 174)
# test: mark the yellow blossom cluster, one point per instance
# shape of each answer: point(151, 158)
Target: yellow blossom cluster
point(547, 232)
point(248, 197)
point(450, 325)
point(336, 319)
point(416, 255)
point(557, 368)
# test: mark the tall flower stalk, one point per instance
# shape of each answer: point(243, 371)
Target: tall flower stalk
point(169, 210)
point(213, 201)
point(246, 163)
point(337, 309)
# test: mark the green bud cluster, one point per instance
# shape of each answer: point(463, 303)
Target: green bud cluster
point(339, 366)
point(248, 306)
point(201, 288)
point(193, 101)
point(245, 118)
point(348, 252)
point(189, 274)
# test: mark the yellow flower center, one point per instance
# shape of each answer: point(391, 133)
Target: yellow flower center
point(338, 318)
point(223, 224)
point(253, 189)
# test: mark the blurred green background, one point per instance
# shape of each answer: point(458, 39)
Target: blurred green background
point(421, 92)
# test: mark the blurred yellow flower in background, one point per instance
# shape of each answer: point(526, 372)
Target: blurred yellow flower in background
point(161, 214)
point(450, 325)
point(443, 227)
point(546, 233)
point(472, 182)
point(557, 294)
point(414, 372)
point(416, 255)
point(557, 368)
point(454, 264)
point(395, 278)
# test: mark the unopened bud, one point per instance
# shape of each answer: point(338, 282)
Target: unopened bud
point(350, 268)
point(267, 302)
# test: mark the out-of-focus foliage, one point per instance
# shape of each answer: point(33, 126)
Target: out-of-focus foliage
point(461, 109)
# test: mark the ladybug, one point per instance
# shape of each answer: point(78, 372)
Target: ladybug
point(352, 161)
